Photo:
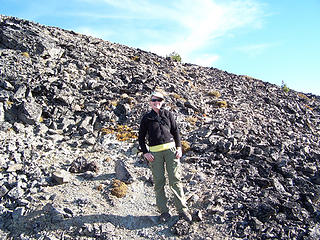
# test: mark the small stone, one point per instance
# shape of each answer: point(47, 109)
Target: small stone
point(61, 176)
point(68, 211)
point(16, 193)
point(6, 85)
point(81, 165)
point(48, 208)
point(15, 167)
point(2, 209)
point(2, 112)
point(3, 191)
point(181, 228)
point(122, 172)
point(107, 228)
point(197, 216)
point(30, 112)
point(18, 212)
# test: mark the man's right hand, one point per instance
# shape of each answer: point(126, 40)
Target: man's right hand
point(149, 157)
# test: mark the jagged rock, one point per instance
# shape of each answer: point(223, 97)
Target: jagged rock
point(6, 85)
point(21, 93)
point(4, 95)
point(247, 151)
point(197, 216)
point(2, 113)
point(252, 158)
point(316, 178)
point(18, 212)
point(15, 167)
point(81, 165)
point(16, 193)
point(29, 112)
point(224, 146)
point(3, 190)
point(181, 228)
point(85, 126)
point(61, 176)
point(122, 172)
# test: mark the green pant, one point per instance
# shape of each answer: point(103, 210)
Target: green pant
point(167, 159)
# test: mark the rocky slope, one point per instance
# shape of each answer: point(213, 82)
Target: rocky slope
point(70, 107)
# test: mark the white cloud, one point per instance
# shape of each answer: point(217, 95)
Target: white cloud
point(203, 21)
point(190, 25)
point(256, 49)
point(205, 60)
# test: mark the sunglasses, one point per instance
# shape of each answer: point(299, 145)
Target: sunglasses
point(156, 100)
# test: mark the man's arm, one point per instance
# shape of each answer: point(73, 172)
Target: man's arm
point(142, 135)
point(142, 140)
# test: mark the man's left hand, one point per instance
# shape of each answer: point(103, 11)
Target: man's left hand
point(179, 153)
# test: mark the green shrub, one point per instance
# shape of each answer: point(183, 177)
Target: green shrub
point(185, 146)
point(285, 87)
point(216, 94)
point(175, 56)
point(222, 104)
point(25, 54)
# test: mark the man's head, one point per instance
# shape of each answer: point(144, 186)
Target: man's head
point(156, 100)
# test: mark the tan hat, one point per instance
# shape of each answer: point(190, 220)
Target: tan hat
point(157, 94)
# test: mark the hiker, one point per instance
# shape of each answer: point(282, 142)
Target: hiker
point(164, 153)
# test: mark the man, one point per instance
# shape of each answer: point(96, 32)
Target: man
point(164, 153)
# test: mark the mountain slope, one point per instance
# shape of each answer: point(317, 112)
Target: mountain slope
point(252, 150)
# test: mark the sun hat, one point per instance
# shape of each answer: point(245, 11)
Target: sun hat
point(157, 94)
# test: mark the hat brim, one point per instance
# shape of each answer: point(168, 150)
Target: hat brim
point(157, 94)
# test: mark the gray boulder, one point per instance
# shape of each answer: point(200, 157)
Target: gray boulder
point(29, 112)
point(122, 172)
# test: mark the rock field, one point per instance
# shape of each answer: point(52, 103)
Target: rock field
point(70, 167)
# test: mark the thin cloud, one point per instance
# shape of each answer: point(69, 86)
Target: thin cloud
point(184, 26)
point(254, 50)
point(206, 60)
point(206, 21)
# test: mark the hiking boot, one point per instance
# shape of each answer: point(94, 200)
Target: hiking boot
point(186, 216)
point(164, 217)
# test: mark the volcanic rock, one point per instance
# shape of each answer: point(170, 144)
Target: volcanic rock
point(251, 149)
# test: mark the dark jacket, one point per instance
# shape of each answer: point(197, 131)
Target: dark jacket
point(160, 128)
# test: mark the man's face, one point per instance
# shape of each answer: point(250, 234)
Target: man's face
point(156, 103)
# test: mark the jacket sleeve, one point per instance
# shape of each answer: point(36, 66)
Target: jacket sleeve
point(174, 130)
point(142, 135)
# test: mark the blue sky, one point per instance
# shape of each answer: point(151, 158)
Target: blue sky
point(272, 40)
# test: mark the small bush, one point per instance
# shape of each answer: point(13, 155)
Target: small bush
point(308, 107)
point(192, 120)
point(100, 187)
point(177, 96)
point(119, 189)
point(222, 104)
point(25, 54)
point(303, 97)
point(285, 87)
point(135, 58)
point(114, 103)
point(122, 132)
point(214, 94)
point(175, 56)
point(185, 146)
